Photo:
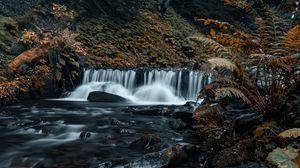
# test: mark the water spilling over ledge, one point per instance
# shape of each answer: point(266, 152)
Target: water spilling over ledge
point(143, 86)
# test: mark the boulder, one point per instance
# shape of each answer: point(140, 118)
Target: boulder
point(99, 96)
point(185, 116)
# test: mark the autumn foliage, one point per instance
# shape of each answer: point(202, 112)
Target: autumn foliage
point(258, 70)
point(27, 57)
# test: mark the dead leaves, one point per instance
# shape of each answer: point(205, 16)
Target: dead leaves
point(238, 153)
point(27, 57)
point(291, 39)
point(208, 121)
point(290, 133)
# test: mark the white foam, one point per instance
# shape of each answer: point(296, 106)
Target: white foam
point(160, 87)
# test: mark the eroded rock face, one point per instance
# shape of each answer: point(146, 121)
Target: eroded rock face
point(98, 96)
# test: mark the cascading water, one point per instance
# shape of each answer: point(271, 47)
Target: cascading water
point(143, 86)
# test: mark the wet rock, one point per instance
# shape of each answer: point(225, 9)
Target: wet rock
point(121, 124)
point(148, 110)
point(191, 105)
point(244, 119)
point(85, 135)
point(185, 116)
point(29, 123)
point(49, 129)
point(194, 152)
point(98, 96)
point(149, 142)
point(250, 165)
point(127, 131)
point(169, 157)
point(25, 162)
point(177, 124)
point(7, 121)
point(106, 164)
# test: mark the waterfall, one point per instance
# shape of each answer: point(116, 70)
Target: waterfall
point(171, 86)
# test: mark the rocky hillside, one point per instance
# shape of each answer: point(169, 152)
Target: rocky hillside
point(118, 34)
point(60, 37)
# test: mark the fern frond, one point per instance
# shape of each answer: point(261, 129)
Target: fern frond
point(271, 27)
point(224, 63)
point(212, 45)
point(291, 39)
point(242, 5)
point(231, 92)
point(260, 56)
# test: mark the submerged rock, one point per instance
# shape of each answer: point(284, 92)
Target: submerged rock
point(177, 124)
point(146, 110)
point(7, 121)
point(85, 135)
point(99, 96)
point(121, 124)
point(107, 164)
point(26, 162)
point(127, 131)
point(149, 142)
point(185, 116)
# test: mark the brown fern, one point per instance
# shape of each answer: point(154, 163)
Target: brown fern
point(212, 45)
point(242, 5)
point(232, 92)
point(225, 63)
point(291, 39)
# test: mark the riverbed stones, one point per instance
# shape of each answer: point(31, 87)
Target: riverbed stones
point(121, 124)
point(146, 110)
point(25, 162)
point(149, 142)
point(85, 135)
point(7, 121)
point(99, 96)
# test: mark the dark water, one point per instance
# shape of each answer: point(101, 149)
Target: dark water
point(78, 134)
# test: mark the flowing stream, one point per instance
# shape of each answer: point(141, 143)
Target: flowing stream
point(74, 133)
point(59, 134)
point(143, 87)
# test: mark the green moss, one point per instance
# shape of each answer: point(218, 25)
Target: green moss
point(8, 31)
